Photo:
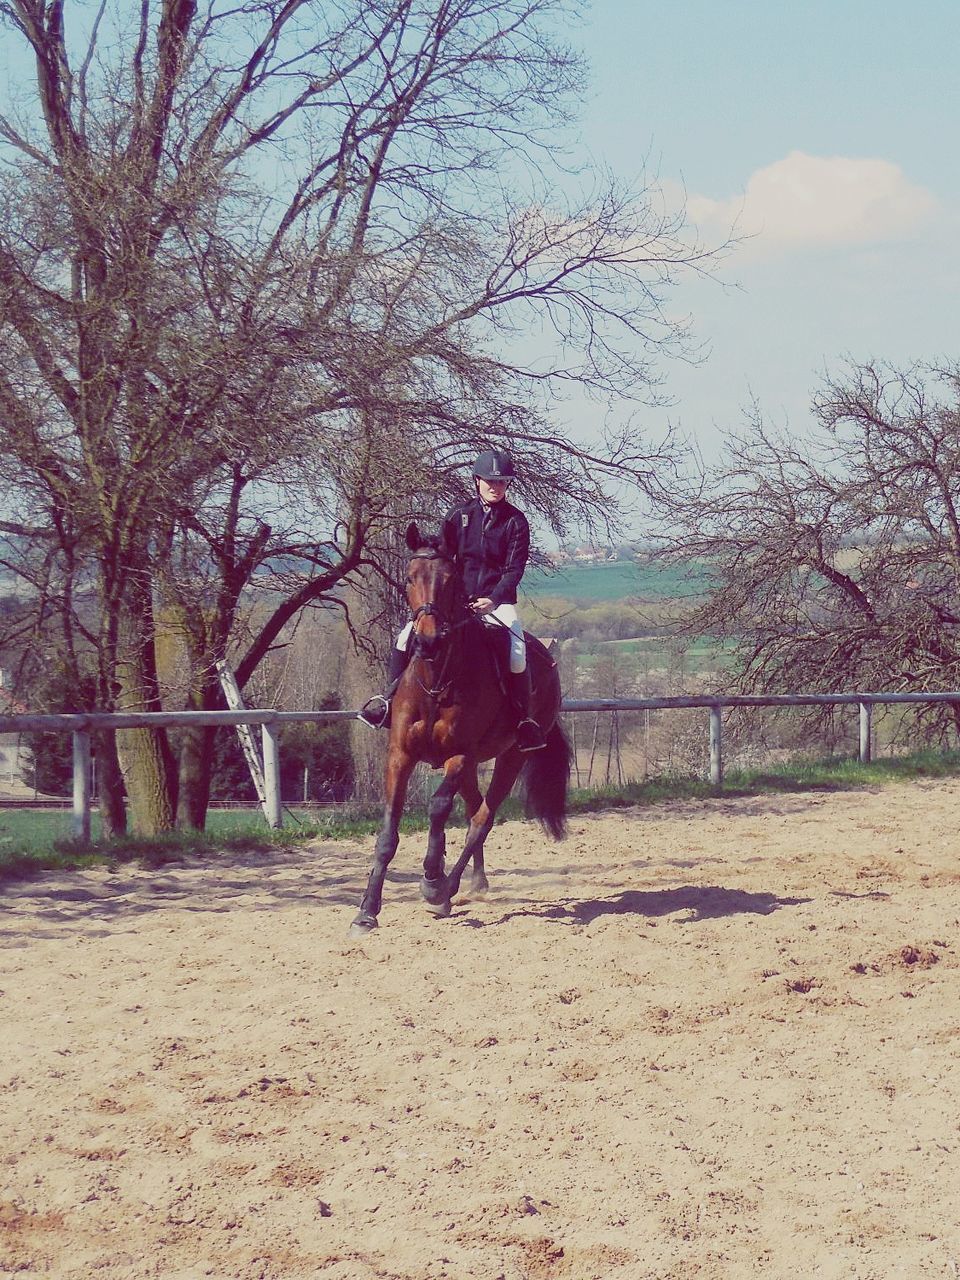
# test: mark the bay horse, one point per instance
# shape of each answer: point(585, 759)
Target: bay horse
point(451, 711)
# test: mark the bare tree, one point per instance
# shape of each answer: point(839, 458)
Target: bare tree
point(266, 272)
point(834, 562)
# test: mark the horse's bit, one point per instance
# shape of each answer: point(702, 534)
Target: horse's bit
point(444, 631)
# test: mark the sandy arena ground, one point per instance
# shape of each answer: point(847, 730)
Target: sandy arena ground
point(707, 1040)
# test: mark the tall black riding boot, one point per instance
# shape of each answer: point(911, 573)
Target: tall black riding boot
point(529, 733)
point(376, 710)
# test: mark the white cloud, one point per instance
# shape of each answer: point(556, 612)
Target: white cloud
point(818, 200)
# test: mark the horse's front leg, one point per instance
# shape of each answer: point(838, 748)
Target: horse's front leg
point(397, 775)
point(439, 808)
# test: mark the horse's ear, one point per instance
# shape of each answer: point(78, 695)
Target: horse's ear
point(414, 540)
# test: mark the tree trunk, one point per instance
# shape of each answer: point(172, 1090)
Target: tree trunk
point(196, 756)
point(364, 677)
point(113, 812)
point(146, 759)
point(196, 767)
point(149, 774)
point(378, 613)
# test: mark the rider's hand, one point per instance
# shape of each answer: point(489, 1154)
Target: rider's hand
point(483, 605)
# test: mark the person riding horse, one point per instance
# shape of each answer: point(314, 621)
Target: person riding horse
point(489, 541)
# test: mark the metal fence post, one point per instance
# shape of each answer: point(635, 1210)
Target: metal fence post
point(866, 728)
point(80, 825)
point(271, 776)
point(716, 747)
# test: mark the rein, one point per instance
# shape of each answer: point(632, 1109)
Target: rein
point(443, 678)
point(442, 682)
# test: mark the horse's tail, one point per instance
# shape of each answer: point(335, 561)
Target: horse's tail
point(545, 776)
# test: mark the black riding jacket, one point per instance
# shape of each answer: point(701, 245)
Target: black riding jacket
point(491, 559)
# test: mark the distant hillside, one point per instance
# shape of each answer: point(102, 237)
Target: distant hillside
point(594, 583)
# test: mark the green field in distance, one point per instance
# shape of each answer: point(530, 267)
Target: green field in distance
point(594, 583)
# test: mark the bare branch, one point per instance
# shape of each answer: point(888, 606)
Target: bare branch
point(833, 564)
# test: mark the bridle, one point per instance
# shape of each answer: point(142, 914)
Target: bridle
point(440, 661)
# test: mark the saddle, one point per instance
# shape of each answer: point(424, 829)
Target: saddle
point(497, 639)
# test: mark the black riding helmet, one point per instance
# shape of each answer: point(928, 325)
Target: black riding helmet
point(494, 464)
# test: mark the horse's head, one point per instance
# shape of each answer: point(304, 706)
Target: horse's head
point(435, 592)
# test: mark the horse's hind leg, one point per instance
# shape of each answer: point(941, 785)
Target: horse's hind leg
point(439, 808)
point(472, 800)
point(399, 768)
point(505, 774)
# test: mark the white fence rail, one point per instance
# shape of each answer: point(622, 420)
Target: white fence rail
point(716, 704)
point(81, 725)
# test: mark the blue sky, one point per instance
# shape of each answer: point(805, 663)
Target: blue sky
point(829, 129)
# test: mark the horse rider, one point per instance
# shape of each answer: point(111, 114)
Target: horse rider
point(488, 538)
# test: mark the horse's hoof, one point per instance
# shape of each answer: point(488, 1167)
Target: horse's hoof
point(435, 895)
point(362, 926)
point(440, 909)
point(433, 891)
point(479, 887)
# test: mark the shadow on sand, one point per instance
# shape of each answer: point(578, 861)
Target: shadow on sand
point(332, 877)
point(703, 902)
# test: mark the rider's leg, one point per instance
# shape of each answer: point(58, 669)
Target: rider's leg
point(529, 733)
point(376, 710)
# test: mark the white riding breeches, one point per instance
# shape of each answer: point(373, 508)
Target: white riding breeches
point(503, 615)
point(506, 615)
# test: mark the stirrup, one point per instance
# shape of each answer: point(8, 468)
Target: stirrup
point(375, 712)
point(530, 735)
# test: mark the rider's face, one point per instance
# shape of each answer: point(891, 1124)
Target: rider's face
point(492, 490)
